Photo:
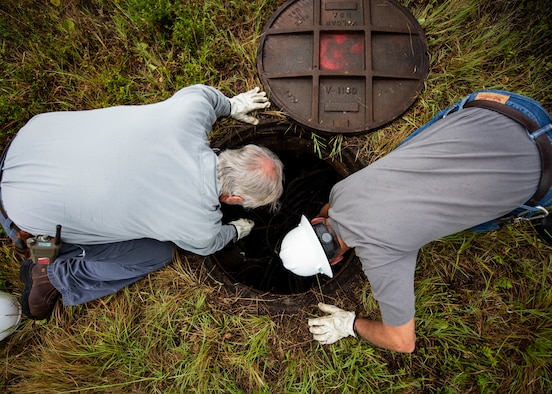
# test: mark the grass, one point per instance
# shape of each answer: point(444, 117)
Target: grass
point(484, 318)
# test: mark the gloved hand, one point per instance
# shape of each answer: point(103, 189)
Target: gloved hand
point(331, 328)
point(244, 103)
point(243, 227)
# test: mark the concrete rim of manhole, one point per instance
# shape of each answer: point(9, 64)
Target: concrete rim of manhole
point(343, 66)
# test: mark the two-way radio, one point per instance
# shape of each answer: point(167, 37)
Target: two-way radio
point(44, 249)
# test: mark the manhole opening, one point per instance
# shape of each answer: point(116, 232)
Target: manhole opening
point(253, 261)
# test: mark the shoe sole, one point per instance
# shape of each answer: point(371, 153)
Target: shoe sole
point(26, 277)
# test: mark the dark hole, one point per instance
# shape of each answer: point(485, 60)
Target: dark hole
point(254, 261)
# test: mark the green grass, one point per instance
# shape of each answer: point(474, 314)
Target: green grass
point(484, 302)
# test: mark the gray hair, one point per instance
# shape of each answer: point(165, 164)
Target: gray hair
point(253, 173)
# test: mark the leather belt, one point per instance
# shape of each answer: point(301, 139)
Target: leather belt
point(542, 142)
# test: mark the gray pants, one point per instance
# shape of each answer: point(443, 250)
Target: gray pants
point(83, 273)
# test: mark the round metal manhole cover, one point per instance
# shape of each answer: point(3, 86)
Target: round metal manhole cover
point(343, 66)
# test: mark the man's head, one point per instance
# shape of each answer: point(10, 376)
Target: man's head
point(251, 176)
point(309, 248)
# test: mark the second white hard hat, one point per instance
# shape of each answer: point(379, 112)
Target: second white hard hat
point(302, 253)
point(10, 314)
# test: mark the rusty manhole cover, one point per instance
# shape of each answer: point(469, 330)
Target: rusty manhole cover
point(343, 66)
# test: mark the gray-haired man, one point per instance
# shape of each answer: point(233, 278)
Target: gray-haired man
point(126, 184)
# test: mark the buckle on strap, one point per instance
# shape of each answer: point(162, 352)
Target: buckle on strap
point(531, 213)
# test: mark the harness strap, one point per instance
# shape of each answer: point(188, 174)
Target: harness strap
point(542, 142)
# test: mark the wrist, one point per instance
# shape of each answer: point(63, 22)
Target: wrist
point(235, 239)
point(354, 326)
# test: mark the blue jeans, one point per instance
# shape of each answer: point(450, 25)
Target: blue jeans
point(83, 273)
point(534, 111)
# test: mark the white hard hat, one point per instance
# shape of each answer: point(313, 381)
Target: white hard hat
point(302, 252)
point(10, 314)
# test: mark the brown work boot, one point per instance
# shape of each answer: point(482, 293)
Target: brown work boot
point(39, 295)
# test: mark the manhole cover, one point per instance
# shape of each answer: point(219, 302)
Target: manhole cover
point(343, 66)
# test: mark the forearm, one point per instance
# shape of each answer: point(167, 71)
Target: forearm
point(324, 211)
point(400, 339)
point(208, 246)
point(206, 95)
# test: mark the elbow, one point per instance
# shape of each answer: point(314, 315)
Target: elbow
point(405, 346)
point(402, 339)
point(406, 349)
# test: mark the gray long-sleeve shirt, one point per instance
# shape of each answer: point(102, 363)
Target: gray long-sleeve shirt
point(121, 173)
point(471, 167)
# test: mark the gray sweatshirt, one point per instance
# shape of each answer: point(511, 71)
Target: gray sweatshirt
point(121, 173)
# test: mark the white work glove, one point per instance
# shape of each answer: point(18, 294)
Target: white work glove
point(331, 328)
point(243, 227)
point(244, 103)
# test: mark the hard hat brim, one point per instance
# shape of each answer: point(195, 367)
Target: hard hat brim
point(10, 314)
point(320, 255)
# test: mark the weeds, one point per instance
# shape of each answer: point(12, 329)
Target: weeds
point(484, 302)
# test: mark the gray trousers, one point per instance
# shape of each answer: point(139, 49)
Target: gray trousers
point(83, 273)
